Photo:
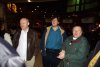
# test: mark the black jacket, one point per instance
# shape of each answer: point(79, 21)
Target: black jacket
point(31, 42)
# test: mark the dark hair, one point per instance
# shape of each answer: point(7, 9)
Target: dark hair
point(58, 18)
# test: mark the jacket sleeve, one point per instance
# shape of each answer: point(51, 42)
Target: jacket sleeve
point(81, 53)
point(15, 40)
point(64, 44)
point(64, 40)
point(36, 46)
point(15, 61)
point(64, 36)
point(42, 40)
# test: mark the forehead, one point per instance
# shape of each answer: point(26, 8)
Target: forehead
point(24, 20)
point(77, 28)
point(54, 19)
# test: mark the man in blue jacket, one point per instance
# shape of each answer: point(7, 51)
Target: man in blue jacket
point(8, 55)
point(51, 43)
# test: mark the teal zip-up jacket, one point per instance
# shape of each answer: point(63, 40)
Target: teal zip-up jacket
point(76, 52)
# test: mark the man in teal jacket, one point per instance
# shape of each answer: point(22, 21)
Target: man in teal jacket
point(75, 49)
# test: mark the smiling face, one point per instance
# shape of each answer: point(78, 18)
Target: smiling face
point(24, 23)
point(77, 31)
point(55, 22)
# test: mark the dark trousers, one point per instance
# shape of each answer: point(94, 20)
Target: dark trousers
point(50, 59)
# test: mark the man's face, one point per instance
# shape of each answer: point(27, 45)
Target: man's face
point(55, 22)
point(77, 31)
point(24, 23)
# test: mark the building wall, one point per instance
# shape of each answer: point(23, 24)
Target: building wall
point(1, 11)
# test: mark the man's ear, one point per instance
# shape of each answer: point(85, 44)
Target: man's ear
point(28, 23)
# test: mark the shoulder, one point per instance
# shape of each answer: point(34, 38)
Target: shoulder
point(62, 30)
point(32, 32)
point(48, 28)
point(18, 31)
point(84, 38)
point(69, 38)
point(84, 41)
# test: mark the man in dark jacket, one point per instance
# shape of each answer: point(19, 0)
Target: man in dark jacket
point(8, 55)
point(25, 42)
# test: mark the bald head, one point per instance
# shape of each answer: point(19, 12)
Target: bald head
point(24, 23)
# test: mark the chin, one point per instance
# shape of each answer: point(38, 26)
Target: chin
point(23, 29)
point(54, 25)
point(76, 36)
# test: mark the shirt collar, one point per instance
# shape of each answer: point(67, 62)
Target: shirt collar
point(58, 27)
point(74, 38)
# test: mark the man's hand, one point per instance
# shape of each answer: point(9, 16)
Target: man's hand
point(61, 55)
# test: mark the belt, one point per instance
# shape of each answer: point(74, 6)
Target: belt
point(52, 51)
